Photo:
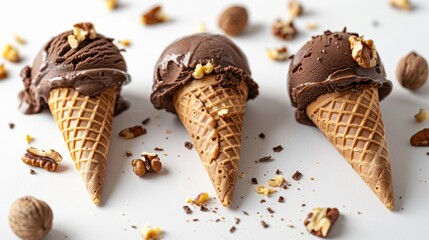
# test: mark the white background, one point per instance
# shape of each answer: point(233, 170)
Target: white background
point(157, 199)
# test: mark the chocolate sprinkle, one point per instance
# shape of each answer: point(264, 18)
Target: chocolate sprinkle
point(279, 148)
point(245, 213)
point(146, 121)
point(254, 181)
point(189, 145)
point(264, 224)
point(297, 176)
point(232, 230)
point(265, 159)
point(261, 135)
point(187, 210)
point(237, 220)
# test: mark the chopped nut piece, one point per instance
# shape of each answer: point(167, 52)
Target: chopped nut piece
point(73, 42)
point(321, 220)
point(278, 54)
point(297, 176)
point(139, 167)
point(264, 190)
point(187, 210)
point(412, 71)
point(401, 4)
point(363, 51)
point(124, 42)
point(284, 29)
point(277, 181)
point(149, 162)
point(189, 145)
point(48, 160)
point(312, 26)
point(223, 113)
point(153, 16)
point(11, 53)
point(295, 8)
point(111, 4)
point(81, 32)
point(201, 199)
point(28, 138)
point(422, 116)
point(420, 138)
point(19, 40)
point(278, 148)
point(132, 132)
point(151, 233)
point(201, 70)
point(3, 71)
point(201, 27)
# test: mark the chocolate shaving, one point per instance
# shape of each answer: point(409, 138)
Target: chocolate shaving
point(264, 224)
point(189, 145)
point(270, 210)
point(146, 121)
point(262, 201)
point(187, 210)
point(297, 176)
point(11, 125)
point(254, 181)
point(237, 220)
point(245, 213)
point(195, 220)
point(261, 135)
point(158, 149)
point(32, 172)
point(232, 230)
point(278, 148)
point(203, 209)
point(281, 199)
point(265, 159)
point(278, 172)
point(217, 220)
point(128, 153)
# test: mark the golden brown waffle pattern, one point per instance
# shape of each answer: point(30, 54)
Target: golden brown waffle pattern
point(86, 125)
point(353, 124)
point(217, 139)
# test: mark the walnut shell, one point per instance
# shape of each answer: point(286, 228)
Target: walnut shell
point(412, 71)
point(233, 20)
point(30, 218)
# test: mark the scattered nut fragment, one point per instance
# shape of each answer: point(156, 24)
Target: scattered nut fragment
point(277, 181)
point(28, 138)
point(153, 16)
point(200, 199)
point(363, 51)
point(124, 42)
point(412, 71)
point(132, 132)
point(111, 4)
point(3, 71)
point(19, 40)
point(201, 70)
point(48, 160)
point(420, 138)
point(295, 8)
point(233, 20)
point(401, 4)
point(284, 29)
point(312, 26)
point(422, 115)
point(201, 27)
point(81, 32)
point(278, 54)
point(151, 233)
point(30, 218)
point(320, 221)
point(149, 162)
point(10, 53)
point(264, 190)
point(223, 113)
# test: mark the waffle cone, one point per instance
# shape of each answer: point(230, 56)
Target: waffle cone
point(353, 124)
point(86, 125)
point(217, 139)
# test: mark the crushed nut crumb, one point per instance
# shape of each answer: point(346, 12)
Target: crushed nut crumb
point(312, 26)
point(201, 70)
point(132, 132)
point(3, 71)
point(128, 153)
point(422, 115)
point(81, 32)
point(19, 40)
point(320, 221)
point(254, 181)
point(295, 8)
point(200, 199)
point(201, 27)
point(11, 125)
point(32, 172)
point(281, 199)
point(124, 42)
point(278, 54)
point(264, 190)
point(401, 4)
point(223, 113)
point(153, 16)
point(111, 4)
point(146, 121)
point(29, 138)
point(232, 229)
point(277, 181)
point(261, 135)
point(11, 54)
point(151, 233)
point(284, 29)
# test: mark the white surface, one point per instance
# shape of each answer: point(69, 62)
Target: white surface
point(157, 199)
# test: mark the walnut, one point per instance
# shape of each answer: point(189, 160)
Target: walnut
point(412, 71)
point(321, 220)
point(420, 138)
point(3, 72)
point(422, 115)
point(295, 8)
point(81, 32)
point(284, 29)
point(233, 20)
point(278, 54)
point(48, 160)
point(201, 70)
point(132, 132)
point(401, 4)
point(277, 181)
point(264, 190)
point(153, 16)
point(151, 233)
point(363, 51)
point(30, 218)
point(149, 162)
point(11, 53)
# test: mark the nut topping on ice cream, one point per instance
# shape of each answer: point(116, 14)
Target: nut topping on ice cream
point(363, 51)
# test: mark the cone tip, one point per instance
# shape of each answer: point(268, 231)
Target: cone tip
point(96, 201)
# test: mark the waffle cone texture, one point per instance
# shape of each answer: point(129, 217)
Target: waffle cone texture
point(217, 139)
point(352, 122)
point(86, 125)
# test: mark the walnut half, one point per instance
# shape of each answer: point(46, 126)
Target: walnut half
point(81, 31)
point(48, 160)
point(363, 51)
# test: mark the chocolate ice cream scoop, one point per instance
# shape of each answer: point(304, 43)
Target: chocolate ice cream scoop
point(178, 61)
point(324, 65)
point(95, 65)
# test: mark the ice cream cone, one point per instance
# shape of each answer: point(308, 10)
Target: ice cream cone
point(86, 124)
point(213, 117)
point(353, 124)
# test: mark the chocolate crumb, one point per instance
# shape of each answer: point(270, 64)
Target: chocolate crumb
point(303, 205)
point(204, 209)
point(195, 220)
point(375, 23)
point(11, 125)
point(261, 135)
point(290, 225)
point(358, 212)
point(254, 181)
point(134, 226)
point(32, 172)
point(237, 220)
point(281, 199)
point(232, 230)
point(270, 210)
point(327, 32)
point(217, 220)
point(265, 159)
point(128, 153)
point(245, 213)
point(427, 153)
point(158, 149)
point(189, 145)
point(297, 176)
point(278, 172)
point(187, 210)
point(146, 121)
point(285, 186)
point(264, 224)
point(279, 148)
point(262, 201)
